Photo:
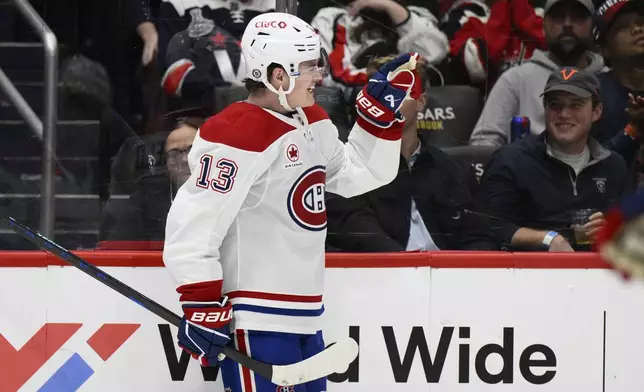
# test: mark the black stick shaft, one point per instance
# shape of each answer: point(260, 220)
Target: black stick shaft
point(50, 246)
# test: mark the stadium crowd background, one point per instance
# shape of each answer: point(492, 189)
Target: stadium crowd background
point(129, 108)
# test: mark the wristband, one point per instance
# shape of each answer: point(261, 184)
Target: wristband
point(549, 237)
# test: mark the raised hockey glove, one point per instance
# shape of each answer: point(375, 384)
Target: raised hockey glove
point(204, 329)
point(380, 100)
point(621, 240)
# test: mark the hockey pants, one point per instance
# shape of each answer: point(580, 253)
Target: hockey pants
point(273, 348)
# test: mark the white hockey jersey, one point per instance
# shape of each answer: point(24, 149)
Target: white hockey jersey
point(253, 211)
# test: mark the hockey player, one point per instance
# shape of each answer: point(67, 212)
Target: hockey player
point(245, 234)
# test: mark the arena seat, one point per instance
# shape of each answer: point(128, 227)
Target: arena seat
point(450, 115)
point(139, 191)
point(131, 163)
point(476, 156)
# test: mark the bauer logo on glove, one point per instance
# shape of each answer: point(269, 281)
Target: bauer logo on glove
point(204, 330)
point(380, 100)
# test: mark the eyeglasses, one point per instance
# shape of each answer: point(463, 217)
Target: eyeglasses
point(177, 154)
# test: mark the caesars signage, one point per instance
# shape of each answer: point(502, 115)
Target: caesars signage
point(419, 329)
point(432, 119)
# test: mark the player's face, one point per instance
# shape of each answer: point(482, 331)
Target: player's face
point(569, 117)
point(302, 94)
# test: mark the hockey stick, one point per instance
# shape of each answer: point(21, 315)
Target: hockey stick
point(335, 359)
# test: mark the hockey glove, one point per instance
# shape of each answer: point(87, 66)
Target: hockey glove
point(204, 329)
point(621, 240)
point(380, 100)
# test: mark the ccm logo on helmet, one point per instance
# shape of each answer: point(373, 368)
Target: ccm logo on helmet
point(306, 199)
point(273, 24)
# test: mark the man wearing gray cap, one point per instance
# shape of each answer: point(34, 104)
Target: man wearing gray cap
point(567, 28)
point(532, 187)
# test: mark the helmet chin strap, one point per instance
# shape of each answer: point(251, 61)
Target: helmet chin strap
point(281, 94)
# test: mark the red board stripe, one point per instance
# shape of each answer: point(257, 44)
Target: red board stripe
point(443, 259)
point(130, 245)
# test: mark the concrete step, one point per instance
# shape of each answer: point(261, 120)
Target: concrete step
point(75, 138)
point(69, 239)
point(23, 175)
point(22, 55)
point(73, 211)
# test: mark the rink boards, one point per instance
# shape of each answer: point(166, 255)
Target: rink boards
point(425, 322)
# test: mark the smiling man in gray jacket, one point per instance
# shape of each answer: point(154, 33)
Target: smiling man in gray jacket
point(567, 27)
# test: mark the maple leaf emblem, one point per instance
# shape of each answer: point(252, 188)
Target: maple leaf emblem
point(292, 153)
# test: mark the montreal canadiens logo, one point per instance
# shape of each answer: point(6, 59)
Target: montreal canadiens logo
point(306, 200)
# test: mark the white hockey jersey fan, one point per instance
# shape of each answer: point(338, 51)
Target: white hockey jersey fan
point(253, 211)
point(419, 33)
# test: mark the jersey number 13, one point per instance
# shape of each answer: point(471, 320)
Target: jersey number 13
point(221, 179)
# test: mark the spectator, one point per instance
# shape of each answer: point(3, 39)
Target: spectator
point(177, 147)
point(620, 36)
point(194, 63)
point(489, 36)
point(139, 14)
point(567, 26)
point(421, 209)
point(375, 28)
point(532, 187)
point(142, 216)
point(231, 16)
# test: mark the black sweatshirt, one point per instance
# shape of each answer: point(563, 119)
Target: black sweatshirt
point(525, 186)
point(379, 221)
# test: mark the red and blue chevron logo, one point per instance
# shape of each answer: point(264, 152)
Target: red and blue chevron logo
point(19, 365)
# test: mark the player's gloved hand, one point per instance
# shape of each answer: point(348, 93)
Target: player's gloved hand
point(621, 240)
point(380, 100)
point(204, 329)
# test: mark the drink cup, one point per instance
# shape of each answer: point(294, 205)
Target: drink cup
point(579, 219)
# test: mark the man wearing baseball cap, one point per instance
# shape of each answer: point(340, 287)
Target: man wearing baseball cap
point(536, 183)
point(567, 26)
point(619, 34)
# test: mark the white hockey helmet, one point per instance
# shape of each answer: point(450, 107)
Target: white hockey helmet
point(283, 39)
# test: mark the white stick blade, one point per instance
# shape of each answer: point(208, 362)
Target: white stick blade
point(335, 359)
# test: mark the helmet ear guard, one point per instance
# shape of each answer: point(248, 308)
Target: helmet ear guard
point(281, 94)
